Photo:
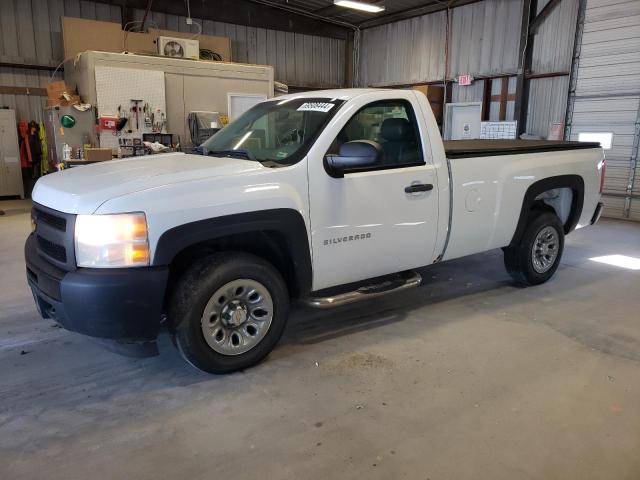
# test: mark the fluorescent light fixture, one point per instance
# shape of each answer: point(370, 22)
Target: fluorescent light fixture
point(605, 138)
point(622, 261)
point(365, 7)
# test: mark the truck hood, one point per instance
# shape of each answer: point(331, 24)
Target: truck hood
point(84, 189)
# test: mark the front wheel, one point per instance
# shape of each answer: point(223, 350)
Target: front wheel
point(535, 258)
point(228, 312)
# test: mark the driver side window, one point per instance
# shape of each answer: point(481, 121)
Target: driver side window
point(390, 123)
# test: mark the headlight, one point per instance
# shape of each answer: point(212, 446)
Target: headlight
point(112, 241)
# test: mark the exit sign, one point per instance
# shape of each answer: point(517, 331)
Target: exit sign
point(464, 80)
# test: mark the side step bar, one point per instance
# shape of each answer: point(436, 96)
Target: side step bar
point(402, 281)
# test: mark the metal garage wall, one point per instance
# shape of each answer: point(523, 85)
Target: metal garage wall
point(30, 34)
point(27, 107)
point(606, 96)
point(410, 51)
point(298, 59)
point(552, 53)
point(547, 104)
point(483, 38)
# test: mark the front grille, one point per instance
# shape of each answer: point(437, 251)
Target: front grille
point(58, 252)
point(59, 223)
point(53, 236)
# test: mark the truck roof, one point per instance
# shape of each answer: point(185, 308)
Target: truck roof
point(488, 148)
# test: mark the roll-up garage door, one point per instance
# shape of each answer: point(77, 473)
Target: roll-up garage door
point(605, 97)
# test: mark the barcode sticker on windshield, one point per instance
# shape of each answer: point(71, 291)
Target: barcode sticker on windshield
point(316, 107)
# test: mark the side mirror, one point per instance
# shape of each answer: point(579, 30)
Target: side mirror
point(355, 155)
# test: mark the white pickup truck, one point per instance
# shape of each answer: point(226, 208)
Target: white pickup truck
point(325, 197)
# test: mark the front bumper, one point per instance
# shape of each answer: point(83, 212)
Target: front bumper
point(115, 304)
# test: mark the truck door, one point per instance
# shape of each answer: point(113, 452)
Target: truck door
point(381, 220)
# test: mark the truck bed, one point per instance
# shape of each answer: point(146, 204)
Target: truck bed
point(490, 148)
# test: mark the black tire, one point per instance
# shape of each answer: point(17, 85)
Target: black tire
point(518, 258)
point(192, 294)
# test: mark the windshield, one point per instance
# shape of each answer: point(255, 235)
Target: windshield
point(275, 132)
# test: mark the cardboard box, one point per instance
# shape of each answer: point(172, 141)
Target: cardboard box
point(80, 35)
point(137, 42)
point(54, 92)
point(98, 154)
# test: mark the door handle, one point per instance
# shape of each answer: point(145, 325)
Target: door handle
point(418, 187)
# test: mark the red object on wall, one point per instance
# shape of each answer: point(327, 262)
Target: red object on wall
point(464, 80)
point(107, 123)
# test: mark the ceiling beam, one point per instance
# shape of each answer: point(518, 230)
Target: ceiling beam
point(541, 17)
point(525, 59)
point(328, 11)
point(244, 12)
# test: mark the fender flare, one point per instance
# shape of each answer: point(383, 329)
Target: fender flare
point(288, 223)
point(574, 182)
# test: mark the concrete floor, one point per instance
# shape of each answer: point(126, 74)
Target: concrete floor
point(466, 377)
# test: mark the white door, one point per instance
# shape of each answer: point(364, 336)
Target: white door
point(381, 220)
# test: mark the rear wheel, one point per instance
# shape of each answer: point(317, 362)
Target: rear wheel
point(535, 258)
point(228, 312)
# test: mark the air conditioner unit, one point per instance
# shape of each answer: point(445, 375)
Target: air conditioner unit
point(178, 47)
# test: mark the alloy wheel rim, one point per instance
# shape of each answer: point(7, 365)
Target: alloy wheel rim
point(237, 317)
point(545, 249)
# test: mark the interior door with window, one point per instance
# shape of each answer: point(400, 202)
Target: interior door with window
point(380, 219)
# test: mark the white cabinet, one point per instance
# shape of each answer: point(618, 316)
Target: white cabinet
point(10, 172)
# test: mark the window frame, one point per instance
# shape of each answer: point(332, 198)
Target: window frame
point(411, 114)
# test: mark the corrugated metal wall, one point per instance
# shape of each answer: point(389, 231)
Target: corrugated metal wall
point(607, 96)
point(553, 43)
point(298, 59)
point(410, 51)
point(30, 34)
point(552, 52)
point(547, 104)
point(483, 38)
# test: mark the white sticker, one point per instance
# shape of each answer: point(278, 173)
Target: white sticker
point(316, 107)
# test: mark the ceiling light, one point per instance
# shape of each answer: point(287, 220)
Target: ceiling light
point(365, 7)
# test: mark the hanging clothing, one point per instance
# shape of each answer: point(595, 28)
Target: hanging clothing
point(44, 164)
point(35, 148)
point(25, 151)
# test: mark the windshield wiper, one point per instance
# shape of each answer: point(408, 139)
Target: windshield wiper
point(246, 154)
